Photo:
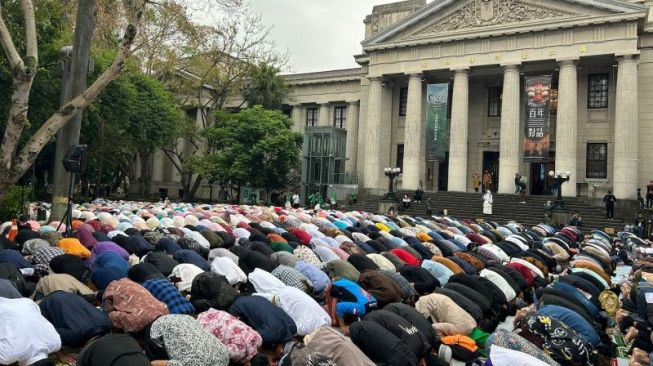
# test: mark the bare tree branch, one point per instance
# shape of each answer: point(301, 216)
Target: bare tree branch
point(31, 47)
point(8, 45)
point(31, 150)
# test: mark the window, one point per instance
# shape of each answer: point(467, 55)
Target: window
point(400, 157)
point(597, 91)
point(340, 117)
point(311, 116)
point(494, 101)
point(403, 101)
point(597, 160)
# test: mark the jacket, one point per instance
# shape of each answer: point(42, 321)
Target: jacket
point(269, 320)
point(74, 318)
point(380, 345)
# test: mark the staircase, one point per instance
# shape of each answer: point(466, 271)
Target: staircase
point(505, 208)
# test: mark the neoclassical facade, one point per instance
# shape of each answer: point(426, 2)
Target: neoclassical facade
point(600, 56)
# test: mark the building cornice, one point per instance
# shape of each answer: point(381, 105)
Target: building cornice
point(506, 29)
point(623, 11)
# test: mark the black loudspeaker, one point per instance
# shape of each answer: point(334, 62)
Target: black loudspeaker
point(72, 161)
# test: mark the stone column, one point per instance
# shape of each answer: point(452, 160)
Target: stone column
point(298, 121)
point(323, 115)
point(626, 130)
point(413, 134)
point(352, 137)
point(458, 132)
point(567, 125)
point(509, 145)
point(372, 169)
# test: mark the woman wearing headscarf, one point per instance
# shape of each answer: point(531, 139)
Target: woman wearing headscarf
point(26, 337)
point(72, 265)
point(109, 267)
point(187, 343)
point(74, 318)
point(448, 318)
point(85, 235)
point(61, 282)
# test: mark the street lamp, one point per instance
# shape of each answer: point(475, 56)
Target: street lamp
point(391, 173)
point(559, 178)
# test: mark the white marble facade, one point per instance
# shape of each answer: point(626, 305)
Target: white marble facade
point(477, 45)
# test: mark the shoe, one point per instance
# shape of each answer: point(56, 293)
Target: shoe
point(444, 353)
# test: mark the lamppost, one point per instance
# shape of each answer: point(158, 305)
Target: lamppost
point(559, 178)
point(391, 173)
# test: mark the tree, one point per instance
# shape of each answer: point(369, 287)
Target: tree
point(255, 147)
point(138, 111)
point(218, 61)
point(265, 87)
point(14, 162)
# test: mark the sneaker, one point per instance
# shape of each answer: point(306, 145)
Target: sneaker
point(444, 353)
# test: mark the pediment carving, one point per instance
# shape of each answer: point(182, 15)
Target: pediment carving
point(483, 13)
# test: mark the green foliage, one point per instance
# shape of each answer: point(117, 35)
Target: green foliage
point(255, 146)
point(10, 207)
point(134, 115)
point(52, 18)
point(265, 87)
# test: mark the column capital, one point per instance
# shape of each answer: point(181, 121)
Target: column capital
point(461, 70)
point(511, 66)
point(418, 74)
point(627, 57)
point(567, 62)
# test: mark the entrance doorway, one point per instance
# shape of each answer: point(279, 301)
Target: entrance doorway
point(539, 178)
point(443, 173)
point(491, 164)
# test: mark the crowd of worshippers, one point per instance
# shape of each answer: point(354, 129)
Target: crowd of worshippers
point(180, 284)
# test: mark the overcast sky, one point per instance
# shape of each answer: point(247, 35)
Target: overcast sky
point(319, 35)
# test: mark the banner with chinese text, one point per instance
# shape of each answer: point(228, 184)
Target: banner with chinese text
point(537, 139)
point(437, 100)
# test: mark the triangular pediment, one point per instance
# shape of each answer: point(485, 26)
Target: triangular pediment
point(442, 17)
point(480, 13)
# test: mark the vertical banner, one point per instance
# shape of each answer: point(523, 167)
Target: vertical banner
point(437, 99)
point(537, 139)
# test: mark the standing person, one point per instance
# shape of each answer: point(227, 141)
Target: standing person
point(649, 194)
point(640, 224)
point(295, 200)
point(406, 201)
point(517, 183)
point(487, 180)
point(487, 202)
point(609, 200)
point(476, 182)
point(419, 192)
point(429, 211)
point(640, 199)
point(522, 189)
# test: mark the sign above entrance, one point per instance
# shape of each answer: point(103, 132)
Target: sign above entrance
point(537, 139)
point(437, 101)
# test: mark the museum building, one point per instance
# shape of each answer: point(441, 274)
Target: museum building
point(597, 53)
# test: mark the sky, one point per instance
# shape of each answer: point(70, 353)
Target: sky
point(318, 35)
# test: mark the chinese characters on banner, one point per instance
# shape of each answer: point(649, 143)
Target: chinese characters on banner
point(538, 108)
point(437, 99)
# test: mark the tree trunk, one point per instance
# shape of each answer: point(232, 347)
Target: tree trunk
point(146, 174)
point(69, 134)
point(195, 187)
